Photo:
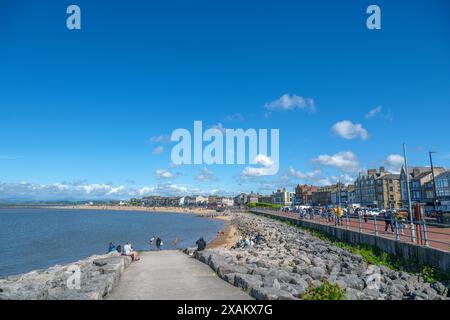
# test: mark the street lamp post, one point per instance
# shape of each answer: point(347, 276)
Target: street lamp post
point(411, 221)
point(339, 193)
point(434, 180)
point(360, 189)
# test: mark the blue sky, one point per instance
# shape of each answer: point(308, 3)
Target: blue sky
point(81, 111)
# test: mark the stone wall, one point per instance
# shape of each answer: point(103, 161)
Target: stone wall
point(408, 251)
point(98, 276)
point(287, 262)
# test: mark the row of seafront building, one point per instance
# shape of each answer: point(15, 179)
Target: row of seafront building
point(376, 189)
point(177, 201)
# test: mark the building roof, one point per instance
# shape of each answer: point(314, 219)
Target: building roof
point(422, 175)
point(394, 176)
point(443, 175)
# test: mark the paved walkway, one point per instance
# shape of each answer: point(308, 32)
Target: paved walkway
point(172, 275)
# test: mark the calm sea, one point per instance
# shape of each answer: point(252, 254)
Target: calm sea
point(40, 238)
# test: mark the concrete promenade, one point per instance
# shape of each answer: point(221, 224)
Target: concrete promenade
point(172, 275)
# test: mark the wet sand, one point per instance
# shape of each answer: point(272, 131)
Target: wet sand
point(227, 237)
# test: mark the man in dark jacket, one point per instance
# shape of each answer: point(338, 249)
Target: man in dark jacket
point(388, 216)
point(201, 244)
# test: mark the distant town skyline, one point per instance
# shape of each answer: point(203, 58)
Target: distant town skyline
point(87, 114)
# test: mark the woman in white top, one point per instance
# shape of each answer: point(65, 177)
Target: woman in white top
point(128, 250)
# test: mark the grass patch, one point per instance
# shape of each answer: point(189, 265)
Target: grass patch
point(253, 205)
point(326, 291)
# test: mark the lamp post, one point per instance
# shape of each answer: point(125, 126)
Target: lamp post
point(360, 190)
point(434, 180)
point(411, 221)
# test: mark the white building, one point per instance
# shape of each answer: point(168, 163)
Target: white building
point(282, 197)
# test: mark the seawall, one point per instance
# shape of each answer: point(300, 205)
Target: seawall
point(98, 275)
point(424, 255)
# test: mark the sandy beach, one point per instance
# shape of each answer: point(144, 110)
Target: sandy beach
point(227, 237)
point(197, 211)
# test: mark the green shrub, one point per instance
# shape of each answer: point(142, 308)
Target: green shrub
point(326, 291)
point(430, 274)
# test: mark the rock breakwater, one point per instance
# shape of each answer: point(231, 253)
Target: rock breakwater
point(98, 276)
point(288, 261)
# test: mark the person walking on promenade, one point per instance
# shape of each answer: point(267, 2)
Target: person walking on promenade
point(399, 221)
point(388, 221)
point(338, 216)
point(159, 243)
point(365, 215)
point(311, 213)
point(303, 213)
point(320, 213)
point(330, 215)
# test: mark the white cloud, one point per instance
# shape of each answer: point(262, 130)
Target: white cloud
point(343, 178)
point(163, 174)
point(158, 150)
point(268, 167)
point(394, 163)
point(345, 161)
point(349, 130)
point(62, 191)
point(303, 175)
point(160, 138)
point(26, 191)
point(378, 112)
point(372, 113)
point(205, 175)
point(288, 102)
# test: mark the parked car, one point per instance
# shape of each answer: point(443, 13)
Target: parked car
point(374, 212)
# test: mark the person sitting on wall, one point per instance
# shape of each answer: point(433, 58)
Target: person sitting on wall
point(129, 251)
point(111, 248)
point(201, 244)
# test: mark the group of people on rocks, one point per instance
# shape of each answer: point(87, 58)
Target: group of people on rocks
point(249, 241)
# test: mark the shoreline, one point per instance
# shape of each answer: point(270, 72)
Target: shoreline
point(227, 237)
point(198, 211)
